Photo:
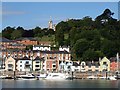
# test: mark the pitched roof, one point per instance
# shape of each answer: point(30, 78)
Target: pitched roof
point(24, 58)
point(38, 58)
point(2, 39)
point(26, 38)
point(76, 64)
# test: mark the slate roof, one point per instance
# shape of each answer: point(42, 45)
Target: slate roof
point(26, 38)
point(24, 58)
point(38, 58)
point(2, 39)
point(76, 64)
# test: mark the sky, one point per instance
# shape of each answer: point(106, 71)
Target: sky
point(31, 14)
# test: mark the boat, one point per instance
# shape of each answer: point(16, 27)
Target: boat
point(26, 77)
point(3, 76)
point(112, 78)
point(118, 75)
point(41, 76)
point(56, 76)
point(92, 77)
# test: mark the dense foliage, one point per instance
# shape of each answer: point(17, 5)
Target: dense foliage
point(89, 39)
point(14, 33)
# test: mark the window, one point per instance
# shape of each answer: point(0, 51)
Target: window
point(20, 65)
point(10, 65)
point(104, 63)
point(54, 65)
point(20, 61)
point(36, 65)
point(37, 69)
point(89, 70)
point(27, 62)
point(68, 67)
point(37, 62)
point(10, 70)
point(54, 62)
point(96, 70)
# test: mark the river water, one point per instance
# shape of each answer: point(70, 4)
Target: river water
point(60, 84)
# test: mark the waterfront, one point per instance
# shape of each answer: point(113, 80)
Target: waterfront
point(60, 84)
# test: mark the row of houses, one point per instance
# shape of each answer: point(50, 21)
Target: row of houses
point(58, 65)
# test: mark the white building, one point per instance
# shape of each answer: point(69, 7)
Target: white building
point(64, 48)
point(41, 48)
point(83, 66)
point(24, 64)
point(76, 67)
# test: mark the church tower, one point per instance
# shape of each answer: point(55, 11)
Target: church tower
point(50, 24)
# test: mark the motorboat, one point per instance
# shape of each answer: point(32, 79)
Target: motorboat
point(108, 78)
point(3, 76)
point(102, 77)
point(112, 78)
point(92, 77)
point(56, 76)
point(26, 77)
point(41, 76)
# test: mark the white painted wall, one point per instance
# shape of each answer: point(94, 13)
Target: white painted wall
point(42, 48)
point(21, 65)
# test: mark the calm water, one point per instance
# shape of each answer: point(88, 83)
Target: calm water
point(60, 84)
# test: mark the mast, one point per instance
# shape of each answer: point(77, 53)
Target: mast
point(117, 62)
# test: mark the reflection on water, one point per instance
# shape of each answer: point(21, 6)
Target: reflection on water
point(60, 84)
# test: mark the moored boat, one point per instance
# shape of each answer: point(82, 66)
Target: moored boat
point(42, 76)
point(26, 77)
point(56, 76)
point(92, 77)
point(3, 76)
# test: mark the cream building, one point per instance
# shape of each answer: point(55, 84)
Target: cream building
point(105, 64)
point(38, 64)
point(10, 64)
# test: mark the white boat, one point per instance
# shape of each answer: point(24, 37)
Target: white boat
point(102, 77)
point(56, 76)
point(3, 76)
point(112, 78)
point(92, 77)
point(42, 76)
point(26, 77)
point(108, 78)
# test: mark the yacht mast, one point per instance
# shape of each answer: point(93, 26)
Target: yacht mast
point(117, 62)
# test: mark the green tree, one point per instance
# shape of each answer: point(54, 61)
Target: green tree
point(89, 55)
point(7, 32)
point(16, 34)
point(108, 48)
point(80, 47)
